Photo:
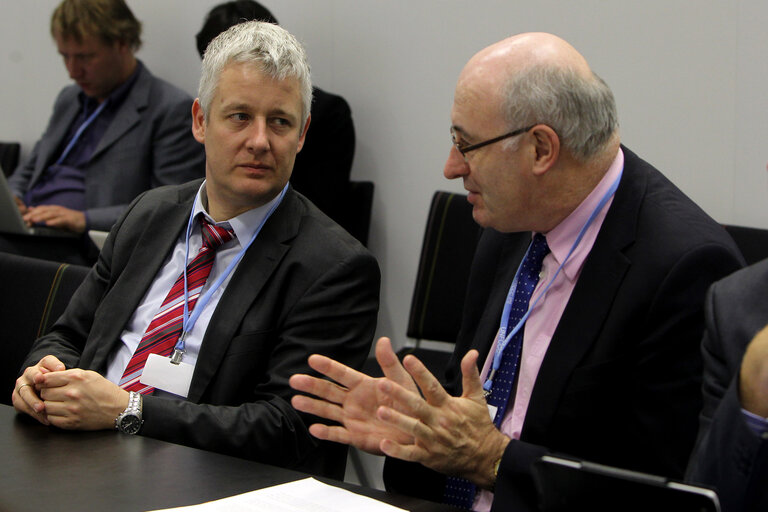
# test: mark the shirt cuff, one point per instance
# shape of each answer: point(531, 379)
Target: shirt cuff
point(757, 424)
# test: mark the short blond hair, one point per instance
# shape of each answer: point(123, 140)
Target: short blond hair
point(109, 20)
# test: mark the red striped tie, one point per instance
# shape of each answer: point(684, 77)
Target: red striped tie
point(165, 328)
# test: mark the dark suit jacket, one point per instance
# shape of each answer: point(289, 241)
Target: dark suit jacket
point(323, 165)
point(620, 382)
point(149, 143)
point(728, 455)
point(304, 286)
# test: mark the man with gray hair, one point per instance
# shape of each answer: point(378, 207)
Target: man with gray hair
point(258, 277)
point(584, 310)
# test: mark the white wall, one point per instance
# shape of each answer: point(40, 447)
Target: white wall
point(688, 77)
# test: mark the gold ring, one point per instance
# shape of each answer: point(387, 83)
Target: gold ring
point(19, 390)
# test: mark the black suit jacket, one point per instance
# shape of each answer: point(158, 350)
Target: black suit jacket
point(620, 382)
point(728, 455)
point(304, 286)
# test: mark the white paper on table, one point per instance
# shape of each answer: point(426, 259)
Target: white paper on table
point(299, 496)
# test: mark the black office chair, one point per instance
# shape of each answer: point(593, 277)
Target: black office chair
point(35, 293)
point(753, 242)
point(356, 215)
point(450, 239)
point(9, 156)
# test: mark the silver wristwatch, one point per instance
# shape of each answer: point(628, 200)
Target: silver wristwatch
point(129, 421)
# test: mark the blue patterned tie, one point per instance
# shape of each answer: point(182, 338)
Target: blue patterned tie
point(459, 491)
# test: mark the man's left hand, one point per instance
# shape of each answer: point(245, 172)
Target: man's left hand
point(81, 400)
point(56, 217)
point(453, 435)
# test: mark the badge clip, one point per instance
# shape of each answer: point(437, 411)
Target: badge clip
point(177, 355)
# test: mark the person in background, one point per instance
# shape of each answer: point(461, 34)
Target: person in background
point(208, 296)
point(732, 449)
point(584, 310)
point(324, 165)
point(114, 133)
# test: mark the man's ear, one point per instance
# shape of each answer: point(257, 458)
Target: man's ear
point(198, 122)
point(304, 133)
point(547, 145)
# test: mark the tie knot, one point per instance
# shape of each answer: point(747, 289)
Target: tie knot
point(213, 235)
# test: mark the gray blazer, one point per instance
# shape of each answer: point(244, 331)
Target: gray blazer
point(149, 143)
point(304, 286)
point(728, 455)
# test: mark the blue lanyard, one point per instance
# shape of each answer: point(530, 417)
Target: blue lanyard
point(189, 320)
point(505, 338)
point(80, 131)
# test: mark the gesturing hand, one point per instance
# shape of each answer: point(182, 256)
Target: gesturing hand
point(452, 435)
point(352, 400)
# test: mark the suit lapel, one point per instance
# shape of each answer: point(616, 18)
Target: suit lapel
point(136, 269)
point(128, 115)
point(589, 304)
point(253, 272)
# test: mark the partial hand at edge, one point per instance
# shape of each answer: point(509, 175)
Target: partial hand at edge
point(753, 377)
point(20, 204)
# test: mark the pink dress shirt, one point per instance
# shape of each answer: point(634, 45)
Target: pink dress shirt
point(545, 316)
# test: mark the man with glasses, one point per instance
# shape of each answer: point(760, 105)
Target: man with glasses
point(584, 311)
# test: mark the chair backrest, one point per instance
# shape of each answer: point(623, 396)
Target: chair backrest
point(356, 217)
point(35, 293)
point(753, 242)
point(9, 156)
point(450, 240)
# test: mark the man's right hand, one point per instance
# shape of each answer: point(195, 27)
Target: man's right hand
point(26, 393)
point(22, 207)
point(353, 402)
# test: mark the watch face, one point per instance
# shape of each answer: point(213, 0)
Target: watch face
point(130, 424)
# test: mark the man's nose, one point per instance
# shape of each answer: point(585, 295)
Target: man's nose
point(455, 166)
point(74, 69)
point(258, 139)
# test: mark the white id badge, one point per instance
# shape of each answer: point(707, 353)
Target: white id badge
point(491, 410)
point(159, 372)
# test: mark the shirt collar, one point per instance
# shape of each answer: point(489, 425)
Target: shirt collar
point(561, 237)
point(244, 225)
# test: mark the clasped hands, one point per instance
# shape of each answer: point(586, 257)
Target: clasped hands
point(72, 399)
point(406, 414)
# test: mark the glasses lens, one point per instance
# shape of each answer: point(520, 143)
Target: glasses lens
point(456, 144)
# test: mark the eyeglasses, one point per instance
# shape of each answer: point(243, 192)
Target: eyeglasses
point(471, 147)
